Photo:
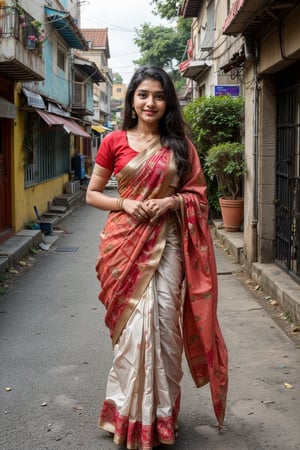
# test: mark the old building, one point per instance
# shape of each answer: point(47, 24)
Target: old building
point(208, 51)
point(271, 34)
point(255, 44)
point(46, 107)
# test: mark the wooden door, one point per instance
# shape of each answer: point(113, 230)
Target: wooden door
point(5, 196)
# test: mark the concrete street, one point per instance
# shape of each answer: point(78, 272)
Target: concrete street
point(56, 353)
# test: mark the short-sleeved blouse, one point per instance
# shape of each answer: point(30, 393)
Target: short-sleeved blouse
point(114, 152)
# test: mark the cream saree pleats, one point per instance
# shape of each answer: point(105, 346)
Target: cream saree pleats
point(143, 390)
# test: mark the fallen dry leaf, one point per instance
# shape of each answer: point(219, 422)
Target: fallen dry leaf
point(22, 263)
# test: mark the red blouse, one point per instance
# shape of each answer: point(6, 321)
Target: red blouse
point(114, 152)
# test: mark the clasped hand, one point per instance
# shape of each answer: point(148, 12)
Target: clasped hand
point(146, 210)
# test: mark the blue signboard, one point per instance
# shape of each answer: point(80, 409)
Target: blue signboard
point(227, 89)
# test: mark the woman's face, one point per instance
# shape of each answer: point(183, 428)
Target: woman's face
point(149, 101)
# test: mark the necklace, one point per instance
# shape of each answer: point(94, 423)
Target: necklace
point(141, 136)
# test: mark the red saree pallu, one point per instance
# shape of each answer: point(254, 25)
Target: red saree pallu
point(132, 253)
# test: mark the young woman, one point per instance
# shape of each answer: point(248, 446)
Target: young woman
point(156, 268)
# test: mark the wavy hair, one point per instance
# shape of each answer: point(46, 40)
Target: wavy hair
point(171, 124)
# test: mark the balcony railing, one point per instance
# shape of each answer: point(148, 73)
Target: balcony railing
point(20, 31)
point(22, 27)
point(79, 99)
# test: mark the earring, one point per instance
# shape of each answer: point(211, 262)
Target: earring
point(133, 113)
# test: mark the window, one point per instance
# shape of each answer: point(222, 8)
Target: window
point(61, 59)
point(46, 151)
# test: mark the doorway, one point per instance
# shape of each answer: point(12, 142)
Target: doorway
point(5, 179)
point(287, 244)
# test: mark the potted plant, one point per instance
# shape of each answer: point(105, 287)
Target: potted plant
point(226, 163)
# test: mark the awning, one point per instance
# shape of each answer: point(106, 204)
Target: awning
point(7, 109)
point(100, 128)
point(66, 26)
point(90, 68)
point(34, 99)
point(69, 125)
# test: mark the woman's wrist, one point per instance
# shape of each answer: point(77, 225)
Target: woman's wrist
point(120, 201)
point(175, 203)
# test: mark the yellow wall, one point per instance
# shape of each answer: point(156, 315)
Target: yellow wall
point(119, 91)
point(24, 199)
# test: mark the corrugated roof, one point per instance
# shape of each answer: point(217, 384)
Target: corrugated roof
point(66, 26)
point(69, 125)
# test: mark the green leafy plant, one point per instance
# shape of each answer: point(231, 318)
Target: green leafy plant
point(212, 121)
point(226, 163)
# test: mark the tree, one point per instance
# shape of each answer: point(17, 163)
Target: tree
point(157, 45)
point(160, 45)
point(117, 78)
point(166, 9)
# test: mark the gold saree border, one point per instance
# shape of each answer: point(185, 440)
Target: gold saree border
point(143, 283)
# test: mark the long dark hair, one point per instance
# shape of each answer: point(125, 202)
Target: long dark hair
point(171, 124)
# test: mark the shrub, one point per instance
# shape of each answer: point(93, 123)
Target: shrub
point(212, 121)
point(226, 163)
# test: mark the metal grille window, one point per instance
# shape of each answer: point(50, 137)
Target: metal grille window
point(46, 151)
point(288, 181)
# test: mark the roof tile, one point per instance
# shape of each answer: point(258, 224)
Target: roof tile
point(98, 36)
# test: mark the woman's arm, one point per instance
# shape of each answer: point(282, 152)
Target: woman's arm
point(95, 196)
point(96, 186)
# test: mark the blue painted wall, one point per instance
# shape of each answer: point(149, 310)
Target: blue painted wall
point(56, 84)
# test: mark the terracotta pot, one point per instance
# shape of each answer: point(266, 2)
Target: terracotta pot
point(232, 213)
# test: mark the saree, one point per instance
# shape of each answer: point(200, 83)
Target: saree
point(132, 255)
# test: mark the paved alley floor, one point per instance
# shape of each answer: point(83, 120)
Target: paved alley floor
point(56, 353)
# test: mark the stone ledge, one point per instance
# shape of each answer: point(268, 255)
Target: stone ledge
point(234, 242)
point(280, 286)
point(18, 246)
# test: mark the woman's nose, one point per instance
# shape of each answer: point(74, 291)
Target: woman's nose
point(150, 100)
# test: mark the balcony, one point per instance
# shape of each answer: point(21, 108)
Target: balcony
point(20, 46)
point(256, 17)
point(190, 8)
point(79, 101)
point(194, 69)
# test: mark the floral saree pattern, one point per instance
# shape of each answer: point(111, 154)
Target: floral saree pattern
point(130, 253)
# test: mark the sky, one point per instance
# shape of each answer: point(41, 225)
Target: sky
point(121, 17)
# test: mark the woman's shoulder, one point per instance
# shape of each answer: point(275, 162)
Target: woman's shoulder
point(114, 136)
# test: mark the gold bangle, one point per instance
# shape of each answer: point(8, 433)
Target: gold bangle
point(175, 202)
point(120, 202)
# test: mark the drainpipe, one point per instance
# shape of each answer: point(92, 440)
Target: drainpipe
point(251, 54)
point(70, 86)
point(254, 221)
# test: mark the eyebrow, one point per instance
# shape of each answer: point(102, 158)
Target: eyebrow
point(154, 92)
